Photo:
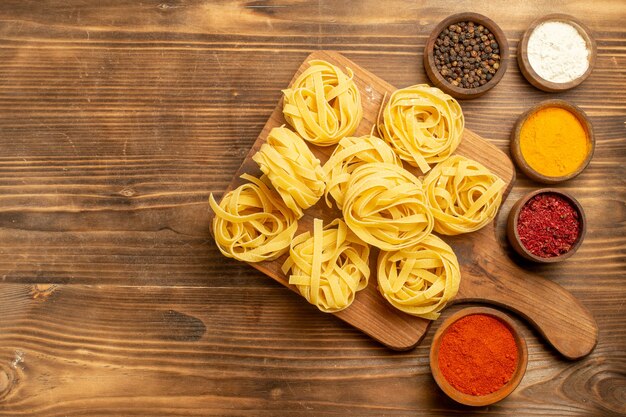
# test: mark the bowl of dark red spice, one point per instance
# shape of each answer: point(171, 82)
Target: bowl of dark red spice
point(546, 226)
point(466, 55)
point(478, 356)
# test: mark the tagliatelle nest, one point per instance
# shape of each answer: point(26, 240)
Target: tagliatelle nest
point(422, 124)
point(385, 206)
point(420, 279)
point(323, 104)
point(292, 169)
point(329, 267)
point(350, 154)
point(463, 195)
point(251, 223)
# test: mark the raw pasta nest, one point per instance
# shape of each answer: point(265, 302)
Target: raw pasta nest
point(420, 279)
point(385, 206)
point(329, 267)
point(422, 124)
point(323, 104)
point(463, 195)
point(251, 223)
point(349, 154)
point(292, 169)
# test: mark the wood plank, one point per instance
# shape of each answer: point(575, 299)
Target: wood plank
point(118, 119)
point(135, 158)
point(173, 351)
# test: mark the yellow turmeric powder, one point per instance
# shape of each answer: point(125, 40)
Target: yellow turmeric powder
point(553, 142)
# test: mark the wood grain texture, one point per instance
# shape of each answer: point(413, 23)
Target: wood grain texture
point(118, 119)
point(565, 323)
point(114, 350)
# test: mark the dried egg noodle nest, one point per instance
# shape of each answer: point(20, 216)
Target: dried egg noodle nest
point(463, 195)
point(292, 169)
point(422, 124)
point(251, 223)
point(349, 154)
point(323, 104)
point(329, 267)
point(385, 206)
point(420, 279)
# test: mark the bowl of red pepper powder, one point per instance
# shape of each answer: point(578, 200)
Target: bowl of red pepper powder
point(546, 226)
point(478, 356)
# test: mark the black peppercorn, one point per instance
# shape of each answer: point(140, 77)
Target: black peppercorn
point(466, 54)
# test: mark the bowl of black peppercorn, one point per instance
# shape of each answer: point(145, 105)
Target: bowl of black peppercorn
point(466, 55)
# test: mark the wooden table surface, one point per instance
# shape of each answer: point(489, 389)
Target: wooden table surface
point(118, 118)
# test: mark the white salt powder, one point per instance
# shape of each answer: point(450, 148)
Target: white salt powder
point(557, 52)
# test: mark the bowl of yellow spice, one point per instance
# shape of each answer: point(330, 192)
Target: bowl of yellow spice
point(552, 142)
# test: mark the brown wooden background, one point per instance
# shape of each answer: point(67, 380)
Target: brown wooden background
point(118, 118)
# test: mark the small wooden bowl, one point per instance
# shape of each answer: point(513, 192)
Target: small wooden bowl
point(516, 150)
point(534, 78)
point(513, 235)
point(478, 400)
point(429, 59)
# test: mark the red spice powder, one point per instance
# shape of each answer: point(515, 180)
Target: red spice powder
point(478, 354)
point(548, 225)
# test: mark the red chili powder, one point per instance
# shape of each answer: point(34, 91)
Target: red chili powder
point(548, 225)
point(478, 354)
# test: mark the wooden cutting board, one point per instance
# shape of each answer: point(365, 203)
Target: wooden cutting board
point(488, 275)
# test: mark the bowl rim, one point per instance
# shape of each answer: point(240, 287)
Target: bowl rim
point(531, 75)
point(514, 237)
point(479, 400)
point(516, 150)
point(429, 60)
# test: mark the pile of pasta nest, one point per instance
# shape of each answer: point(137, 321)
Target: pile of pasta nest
point(382, 203)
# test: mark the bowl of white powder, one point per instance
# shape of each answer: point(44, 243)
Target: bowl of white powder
point(556, 53)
